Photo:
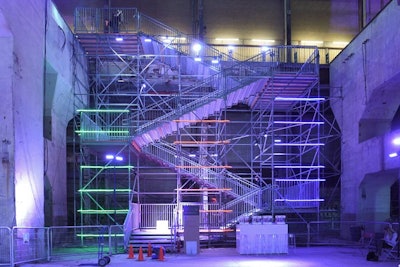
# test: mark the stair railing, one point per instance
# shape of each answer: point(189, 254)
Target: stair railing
point(222, 85)
point(215, 177)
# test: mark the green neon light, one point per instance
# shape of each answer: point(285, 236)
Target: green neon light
point(103, 190)
point(104, 110)
point(102, 131)
point(107, 167)
point(97, 235)
point(122, 211)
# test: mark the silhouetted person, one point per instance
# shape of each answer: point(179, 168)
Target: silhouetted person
point(389, 239)
point(116, 20)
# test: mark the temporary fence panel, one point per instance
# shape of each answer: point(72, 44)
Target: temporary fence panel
point(30, 244)
point(5, 246)
point(67, 241)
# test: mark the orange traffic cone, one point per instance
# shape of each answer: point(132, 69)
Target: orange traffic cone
point(161, 254)
point(140, 257)
point(130, 253)
point(149, 250)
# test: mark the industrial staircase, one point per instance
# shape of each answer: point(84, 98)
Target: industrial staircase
point(201, 90)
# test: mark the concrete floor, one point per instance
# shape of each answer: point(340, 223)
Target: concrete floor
point(228, 257)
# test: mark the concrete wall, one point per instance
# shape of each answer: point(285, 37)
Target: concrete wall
point(365, 82)
point(23, 111)
point(7, 207)
point(33, 169)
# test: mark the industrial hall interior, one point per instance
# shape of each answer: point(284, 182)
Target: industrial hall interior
point(252, 124)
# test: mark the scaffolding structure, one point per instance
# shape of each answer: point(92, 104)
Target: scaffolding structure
point(234, 136)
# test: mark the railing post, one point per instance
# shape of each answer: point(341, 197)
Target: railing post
point(109, 240)
point(137, 16)
point(11, 240)
point(49, 238)
point(308, 234)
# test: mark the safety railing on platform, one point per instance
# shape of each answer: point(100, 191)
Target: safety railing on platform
point(151, 213)
point(105, 20)
point(211, 216)
point(131, 21)
point(103, 125)
point(181, 42)
point(297, 192)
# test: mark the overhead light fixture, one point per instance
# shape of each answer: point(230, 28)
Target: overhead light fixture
point(142, 87)
point(196, 47)
point(299, 200)
point(263, 41)
point(311, 42)
point(300, 122)
point(340, 43)
point(147, 40)
point(119, 39)
point(396, 141)
point(264, 48)
point(300, 144)
point(111, 157)
point(169, 39)
point(393, 155)
point(227, 39)
point(279, 98)
point(197, 59)
point(166, 39)
point(299, 167)
point(299, 180)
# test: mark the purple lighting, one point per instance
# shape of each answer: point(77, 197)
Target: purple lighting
point(111, 157)
point(396, 141)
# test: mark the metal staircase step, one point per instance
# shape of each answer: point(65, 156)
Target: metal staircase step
point(144, 238)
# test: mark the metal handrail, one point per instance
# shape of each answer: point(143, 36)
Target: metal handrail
point(92, 20)
point(166, 152)
point(243, 70)
point(227, 82)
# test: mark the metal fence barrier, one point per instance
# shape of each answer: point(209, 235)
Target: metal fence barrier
point(5, 246)
point(334, 233)
point(82, 240)
point(29, 244)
